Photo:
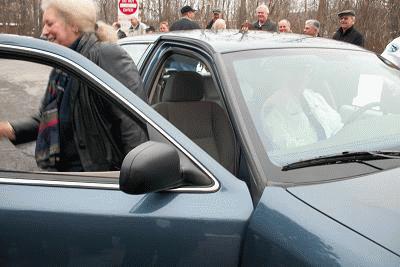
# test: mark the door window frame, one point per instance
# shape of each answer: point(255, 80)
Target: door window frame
point(30, 54)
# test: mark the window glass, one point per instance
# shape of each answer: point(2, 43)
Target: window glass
point(369, 90)
point(22, 85)
point(308, 103)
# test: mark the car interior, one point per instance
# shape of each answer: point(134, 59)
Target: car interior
point(186, 95)
point(203, 121)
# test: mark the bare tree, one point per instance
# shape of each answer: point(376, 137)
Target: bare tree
point(393, 9)
point(322, 15)
point(107, 10)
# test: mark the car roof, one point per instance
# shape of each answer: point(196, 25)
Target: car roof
point(144, 38)
point(226, 41)
point(221, 42)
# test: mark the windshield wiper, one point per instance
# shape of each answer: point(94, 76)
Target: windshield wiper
point(344, 157)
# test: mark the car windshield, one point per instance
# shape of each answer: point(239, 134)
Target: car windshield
point(310, 103)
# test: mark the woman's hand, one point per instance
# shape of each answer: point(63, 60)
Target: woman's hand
point(6, 131)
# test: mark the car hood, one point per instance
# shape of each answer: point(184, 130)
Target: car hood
point(369, 205)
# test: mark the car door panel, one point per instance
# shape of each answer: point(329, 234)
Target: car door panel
point(54, 221)
point(80, 226)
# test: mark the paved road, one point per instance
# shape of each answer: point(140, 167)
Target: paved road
point(22, 86)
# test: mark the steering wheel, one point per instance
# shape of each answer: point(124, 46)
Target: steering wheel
point(357, 114)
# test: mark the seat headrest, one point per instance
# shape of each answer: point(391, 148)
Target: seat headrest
point(184, 86)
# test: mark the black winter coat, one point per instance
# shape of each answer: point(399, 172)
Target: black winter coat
point(184, 24)
point(350, 36)
point(269, 25)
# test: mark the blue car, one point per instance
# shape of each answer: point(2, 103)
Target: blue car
point(264, 149)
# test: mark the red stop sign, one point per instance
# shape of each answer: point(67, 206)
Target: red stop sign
point(128, 7)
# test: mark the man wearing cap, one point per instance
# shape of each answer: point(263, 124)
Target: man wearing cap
point(185, 23)
point(263, 23)
point(311, 27)
point(216, 15)
point(347, 32)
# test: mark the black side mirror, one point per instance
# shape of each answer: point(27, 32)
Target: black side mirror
point(150, 167)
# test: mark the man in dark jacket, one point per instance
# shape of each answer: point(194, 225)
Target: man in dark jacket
point(263, 23)
point(347, 32)
point(185, 23)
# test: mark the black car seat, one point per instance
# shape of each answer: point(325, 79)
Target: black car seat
point(204, 122)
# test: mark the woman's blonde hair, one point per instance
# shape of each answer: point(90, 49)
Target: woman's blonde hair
point(218, 25)
point(106, 32)
point(82, 13)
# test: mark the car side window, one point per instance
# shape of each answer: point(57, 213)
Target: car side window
point(185, 93)
point(22, 85)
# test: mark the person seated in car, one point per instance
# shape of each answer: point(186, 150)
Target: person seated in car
point(296, 115)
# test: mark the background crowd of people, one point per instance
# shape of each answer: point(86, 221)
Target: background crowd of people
point(346, 19)
point(21, 16)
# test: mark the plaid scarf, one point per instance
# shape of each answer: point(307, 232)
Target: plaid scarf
point(47, 150)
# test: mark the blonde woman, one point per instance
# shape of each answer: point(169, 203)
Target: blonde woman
point(284, 26)
point(84, 132)
point(219, 25)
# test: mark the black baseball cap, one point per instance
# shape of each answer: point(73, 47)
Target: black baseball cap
point(186, 9)
point(347, 13)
